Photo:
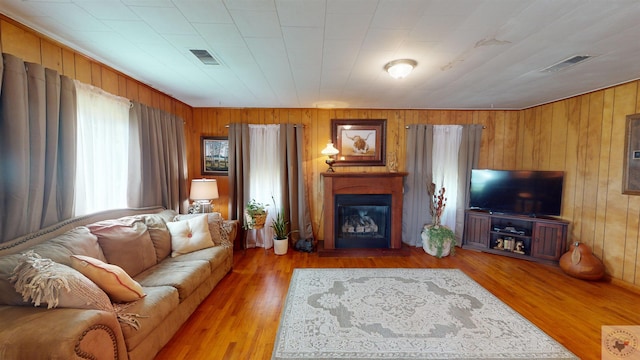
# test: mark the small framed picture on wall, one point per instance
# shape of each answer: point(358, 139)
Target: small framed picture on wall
point(214, 155)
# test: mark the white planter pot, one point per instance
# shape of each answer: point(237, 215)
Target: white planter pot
point(432, 250)
point(281, 246)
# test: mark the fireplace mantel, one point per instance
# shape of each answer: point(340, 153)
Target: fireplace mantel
point(363, 183)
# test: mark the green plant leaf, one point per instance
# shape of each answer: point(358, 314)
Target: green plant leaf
point(438, 235)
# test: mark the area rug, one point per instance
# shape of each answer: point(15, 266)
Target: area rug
point(403, 314)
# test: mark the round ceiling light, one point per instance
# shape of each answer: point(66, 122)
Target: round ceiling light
point(399, 69)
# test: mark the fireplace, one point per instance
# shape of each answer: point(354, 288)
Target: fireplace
point(362, 221)
point(362, 211)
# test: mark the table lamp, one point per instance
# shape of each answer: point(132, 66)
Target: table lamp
point(202, 192)
point(330, 152)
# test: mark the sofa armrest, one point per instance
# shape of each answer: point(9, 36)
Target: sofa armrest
point(232, 228)
point(39, 333)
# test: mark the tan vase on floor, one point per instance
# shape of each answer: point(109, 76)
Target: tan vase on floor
point(280, 246)
point(580, 262)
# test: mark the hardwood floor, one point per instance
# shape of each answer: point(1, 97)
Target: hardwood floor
point(239, 319)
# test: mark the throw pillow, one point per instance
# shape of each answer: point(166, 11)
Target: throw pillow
point(43, 281)
point(75, 241)
point(159, 233)
point(189, 235)
point(110, 278)
point(214, 221)
point(219, 234)
point(125, 242)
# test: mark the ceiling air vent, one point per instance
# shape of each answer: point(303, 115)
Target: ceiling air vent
point(566, 63)
point(205, 57)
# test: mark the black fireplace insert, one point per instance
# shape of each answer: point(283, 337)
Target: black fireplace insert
point(363, 221)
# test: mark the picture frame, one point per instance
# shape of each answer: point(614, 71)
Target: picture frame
point(214, 152)
point(631, 167)
point(360, 142)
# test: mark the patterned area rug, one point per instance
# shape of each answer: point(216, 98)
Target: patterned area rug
point(403, 314)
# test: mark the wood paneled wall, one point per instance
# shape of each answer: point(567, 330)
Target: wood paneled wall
point(23, 42)
point(582, 135)
point(317, 122)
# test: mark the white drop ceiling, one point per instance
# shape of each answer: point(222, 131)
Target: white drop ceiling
point(471, 54)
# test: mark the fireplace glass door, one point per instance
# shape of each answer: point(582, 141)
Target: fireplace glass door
point(362, 221)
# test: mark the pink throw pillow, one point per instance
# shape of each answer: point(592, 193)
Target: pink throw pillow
point(110, 278)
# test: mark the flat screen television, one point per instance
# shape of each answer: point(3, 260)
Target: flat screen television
point(521, 192)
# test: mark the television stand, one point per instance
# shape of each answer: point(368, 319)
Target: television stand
point(537, 239)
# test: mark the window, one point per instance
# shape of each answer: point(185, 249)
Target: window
point(102, 150)
point(265, 180)
point(446, 145)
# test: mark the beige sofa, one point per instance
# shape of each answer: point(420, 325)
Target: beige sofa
point(173, 286)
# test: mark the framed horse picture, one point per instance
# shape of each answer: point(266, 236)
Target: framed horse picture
point(359, 142)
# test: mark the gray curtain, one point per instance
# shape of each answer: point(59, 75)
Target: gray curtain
point(296, 207)
point(416, 200)
point(158, 163)
point(238, 168)
point(37, 147)
point(293, 187)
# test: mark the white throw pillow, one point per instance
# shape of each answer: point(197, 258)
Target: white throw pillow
point(215, 222)
point(189, 235)
point(110, 278)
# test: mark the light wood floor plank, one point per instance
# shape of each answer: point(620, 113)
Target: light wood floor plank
point(239, 319)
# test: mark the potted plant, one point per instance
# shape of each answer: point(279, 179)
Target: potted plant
point(280, 233)
point(438, 240)
point(255, 215)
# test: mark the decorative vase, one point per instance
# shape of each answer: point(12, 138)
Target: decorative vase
point(280, 246)
point(442, 242)
point(580, 262)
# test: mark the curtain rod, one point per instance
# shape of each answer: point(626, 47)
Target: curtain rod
point(297, 125)
point(484, 127)
point(294, 125)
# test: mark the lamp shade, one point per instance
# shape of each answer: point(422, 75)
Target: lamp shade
point(329, 150)
point(204, 189)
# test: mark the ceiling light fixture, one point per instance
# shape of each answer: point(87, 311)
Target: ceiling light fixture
point(400, 68)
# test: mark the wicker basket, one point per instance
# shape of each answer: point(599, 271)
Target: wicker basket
point(256, 221)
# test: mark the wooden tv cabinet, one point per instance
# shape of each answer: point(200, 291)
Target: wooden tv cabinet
point(542, 239)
